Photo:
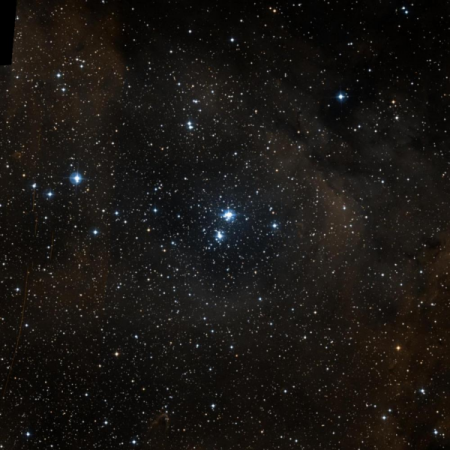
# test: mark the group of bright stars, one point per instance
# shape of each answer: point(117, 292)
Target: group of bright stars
point(228, 215)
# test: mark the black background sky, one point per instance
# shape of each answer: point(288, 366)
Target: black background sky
point(133, 314)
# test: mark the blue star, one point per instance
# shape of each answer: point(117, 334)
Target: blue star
point(76, 178)
point(228, 215)
point(219, 235)
point(341, 96)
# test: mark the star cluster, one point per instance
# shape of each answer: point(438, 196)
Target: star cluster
point(224, 225)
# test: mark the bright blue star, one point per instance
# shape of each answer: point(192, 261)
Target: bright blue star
point(341, 96)
point(228, 215)
point(274, 225)
point(219, 235)
point(95, 232)
point(76, 178)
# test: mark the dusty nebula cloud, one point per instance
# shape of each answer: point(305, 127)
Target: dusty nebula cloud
point(254, 253)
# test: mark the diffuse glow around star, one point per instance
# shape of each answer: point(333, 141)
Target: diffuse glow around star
point(76, 178)
point(228, 215)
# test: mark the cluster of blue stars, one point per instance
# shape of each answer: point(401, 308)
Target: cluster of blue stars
point(228, 215)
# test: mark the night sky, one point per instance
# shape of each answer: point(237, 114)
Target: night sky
point(225, 225)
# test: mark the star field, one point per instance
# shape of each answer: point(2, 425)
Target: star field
point(224, 226)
